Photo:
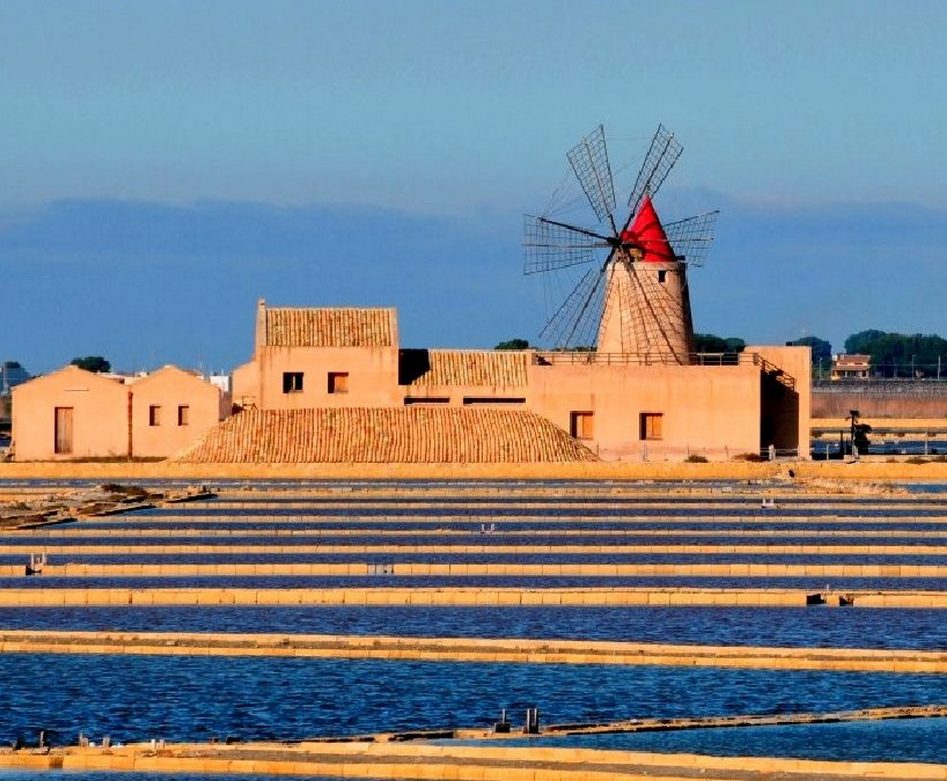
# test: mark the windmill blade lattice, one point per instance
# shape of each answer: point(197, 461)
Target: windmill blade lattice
point(691, 238)
point(589, 161)
point(661, 157)
point(575, 322)
point(549, 246)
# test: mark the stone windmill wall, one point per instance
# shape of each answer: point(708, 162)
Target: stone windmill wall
point(647, 312)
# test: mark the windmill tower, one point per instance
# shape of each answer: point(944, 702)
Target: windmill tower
point(635, 301)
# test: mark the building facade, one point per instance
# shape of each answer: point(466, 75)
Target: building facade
point(622, 406)
point(75, 414)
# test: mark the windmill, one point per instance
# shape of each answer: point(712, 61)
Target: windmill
point(628, 281)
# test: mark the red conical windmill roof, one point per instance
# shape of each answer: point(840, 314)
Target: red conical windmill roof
point(647, 233)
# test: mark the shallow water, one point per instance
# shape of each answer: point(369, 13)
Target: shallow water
point(802, 627)
point(139, 697)
point(177, 698)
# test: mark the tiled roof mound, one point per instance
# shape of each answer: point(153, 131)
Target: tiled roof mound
point(336, 327)
point(475, 367)
point(396, 435)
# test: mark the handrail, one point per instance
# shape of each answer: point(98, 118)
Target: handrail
point(592, 357)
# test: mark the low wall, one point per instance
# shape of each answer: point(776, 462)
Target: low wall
point(493, 597)
point(733, 470)
point(408, 550)
point(494, 650)
point(498, 569)
point(450, 761)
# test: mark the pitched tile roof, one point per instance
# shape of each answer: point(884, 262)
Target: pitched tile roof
point(484, 368)
point(331, 327)
point(385, 435)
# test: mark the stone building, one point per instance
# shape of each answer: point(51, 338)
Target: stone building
point(75, 414)
point(621, 406)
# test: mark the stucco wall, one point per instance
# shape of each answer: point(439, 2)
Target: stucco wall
point(246, 384)
point(169, 389)
point(99, 418)
point(372, 376)
point(797, 363)
point(710, 410)
point(101, 409)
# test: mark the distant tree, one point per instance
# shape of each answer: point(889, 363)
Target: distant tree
point(894, 354)
point(861, 342)
point(821, 349)
point(710, 343)
point(513, 344)
point(92, 363)
point(12, 365)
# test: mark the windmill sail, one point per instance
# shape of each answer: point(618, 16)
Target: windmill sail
point(658, 162)
point(691, 238)
point(589, 161)
point(622, 287)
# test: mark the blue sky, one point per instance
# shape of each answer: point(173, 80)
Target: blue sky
point(165, 164)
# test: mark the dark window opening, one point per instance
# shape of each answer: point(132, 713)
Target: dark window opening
point(426, 400)
point(184, 414)
point(154, 415)
point(662, 275)
point(292, 382)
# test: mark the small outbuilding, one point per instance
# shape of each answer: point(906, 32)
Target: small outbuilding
point(75, 414)
point(70, 414)
point(171, 409)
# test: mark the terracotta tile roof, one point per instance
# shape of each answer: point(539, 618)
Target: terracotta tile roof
point(334, 327)
point(491, 368)
point(385, 435)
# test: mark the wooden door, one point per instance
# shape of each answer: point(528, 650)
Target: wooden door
point(63, 430)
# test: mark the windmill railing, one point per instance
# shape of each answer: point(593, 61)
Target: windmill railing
point(587, 357)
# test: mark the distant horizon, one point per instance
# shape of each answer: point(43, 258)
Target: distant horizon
point(165, 166)
point(182, 282)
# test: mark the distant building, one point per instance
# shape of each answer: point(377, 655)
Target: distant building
point(221, 381)
point(851, 367)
